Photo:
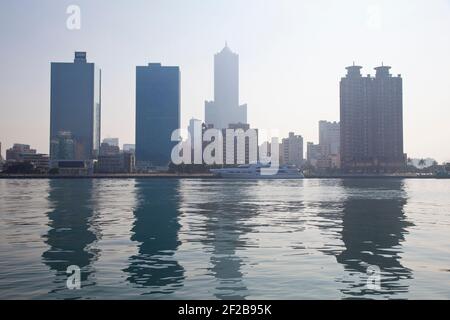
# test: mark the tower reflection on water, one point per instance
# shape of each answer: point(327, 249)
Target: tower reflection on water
point(72, 234)
point(226, 240)
point(226, 209)
point(155, 230)
point(373, 229)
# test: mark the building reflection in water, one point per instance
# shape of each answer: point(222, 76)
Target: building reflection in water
point(156, 228)
point(226, 208)
point(72, 233)
point(373, 228)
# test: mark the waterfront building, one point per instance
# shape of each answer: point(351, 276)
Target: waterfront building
point(112, 160)
point(127, 147)
point(267, 147)
point(72, 167)
point(313, 153)
point(292, 150)
point(75, 105)
point(329, 137)
point(225, 108)
point(371, 126)
point(129, 162)
point(387, 123)
point(40, 162)
point(157, 114)
point(326, 154)
point(107, 149)
point(236, 151)
point(112, 141)
point(17, 152)
point(23, 154)
point(122, 162)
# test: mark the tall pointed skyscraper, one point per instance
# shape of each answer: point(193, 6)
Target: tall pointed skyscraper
point(225, 108)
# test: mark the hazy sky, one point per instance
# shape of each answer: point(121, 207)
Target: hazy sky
point(292, 56)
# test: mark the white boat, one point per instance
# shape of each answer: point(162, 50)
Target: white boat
point(258, 171)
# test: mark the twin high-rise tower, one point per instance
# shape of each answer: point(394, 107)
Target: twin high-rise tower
point(371, 122)
point(76, 110)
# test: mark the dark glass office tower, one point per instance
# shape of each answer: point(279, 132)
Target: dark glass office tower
point(75, 105)
point(157, 114)
point(371, 122)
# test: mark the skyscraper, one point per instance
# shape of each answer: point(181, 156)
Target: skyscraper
point(388, 119)
point(157, 113)
point(225, 108)
point(371, 121)
point(76, 104)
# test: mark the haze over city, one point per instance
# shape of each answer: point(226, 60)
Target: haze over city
point(249, 151)
point(292, 56)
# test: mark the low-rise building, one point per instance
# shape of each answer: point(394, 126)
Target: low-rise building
point(314, 152)
point(292, 150)
point(123, 162)
point(127, 147)
point(107, 149)
point(23, 154)
point(112, 141)
point(18, 149)
point(41, 162)
point(72, 167)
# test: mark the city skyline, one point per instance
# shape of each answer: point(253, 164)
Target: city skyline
point(371, 116)
point(296, 78)
point(225, 156)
